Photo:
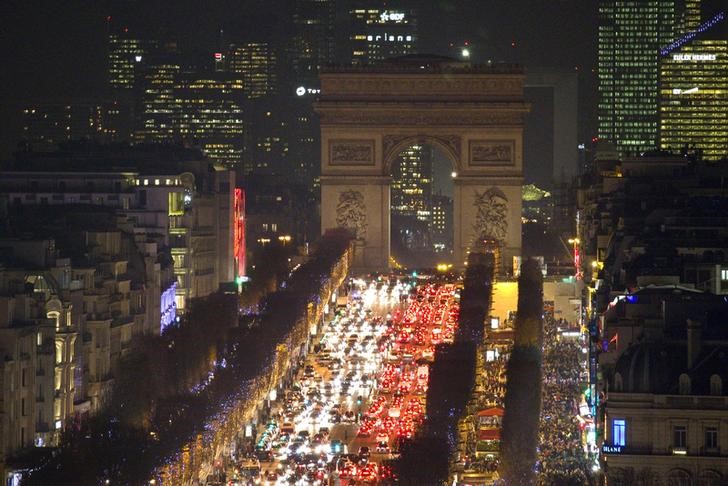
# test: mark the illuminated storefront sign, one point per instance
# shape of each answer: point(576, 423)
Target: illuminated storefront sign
point(612, 449)
point(694, 57)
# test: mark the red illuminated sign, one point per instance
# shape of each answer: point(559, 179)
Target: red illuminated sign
point(239, 231)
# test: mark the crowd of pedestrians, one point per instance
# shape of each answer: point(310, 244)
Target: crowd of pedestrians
point(562, 455)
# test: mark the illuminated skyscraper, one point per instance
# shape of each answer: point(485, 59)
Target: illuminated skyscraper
point(694, 86)
point(313, 40)
point(45, 125)
point(125, 55)
point(255, 64)
point(411, 197)
point(441, 223)
point(157, 106)
point(379, 33)
point(211, 116)
point(630, 35)
point(412, 183)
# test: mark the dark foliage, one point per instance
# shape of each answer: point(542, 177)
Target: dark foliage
point(423, 461)
point(523, 391)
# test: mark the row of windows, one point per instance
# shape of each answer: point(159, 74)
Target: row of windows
point(679, 436)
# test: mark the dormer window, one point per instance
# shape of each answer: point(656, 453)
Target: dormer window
point(684, 384)
point(716, 385)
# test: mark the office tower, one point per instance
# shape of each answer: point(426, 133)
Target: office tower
point(411, 194)
point(46, 125)
point(255, 64)
point(630, 35)
point(441, 223)
point(210, 116)
point(379, 33)
point(312, 45)
point(125, 55)
point(694, 87)
point(412, 183)
point(157, 106)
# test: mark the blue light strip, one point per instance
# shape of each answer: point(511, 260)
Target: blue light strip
point(691, 35)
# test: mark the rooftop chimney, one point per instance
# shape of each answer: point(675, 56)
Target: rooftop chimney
point(694, 341)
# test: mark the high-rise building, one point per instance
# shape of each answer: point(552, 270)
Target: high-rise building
point(411, 193)
point(157, 107)
point(125, 55)
point(630, 35)
point(46, 125)
point(379, 33)
point(441, 223)
point(210, 116)
point(255, 64)
point(313, 40)
point(412, 183)
point(694, 86)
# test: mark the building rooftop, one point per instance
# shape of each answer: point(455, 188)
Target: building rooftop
point(426, 63)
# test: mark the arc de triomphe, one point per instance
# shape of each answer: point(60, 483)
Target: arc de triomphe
point(474, 114)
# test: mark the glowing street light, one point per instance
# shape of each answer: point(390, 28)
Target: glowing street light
point(577, 257)
point(465, 53)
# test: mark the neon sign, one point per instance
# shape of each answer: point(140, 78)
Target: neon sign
point(693, 57)
point(612, 449)
point(239, 232)
point(388, 16)
point(691, 35)
point(302, 90)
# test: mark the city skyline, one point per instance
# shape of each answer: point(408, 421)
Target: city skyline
point(364, 242)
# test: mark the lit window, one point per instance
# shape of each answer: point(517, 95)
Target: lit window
point(619, 432)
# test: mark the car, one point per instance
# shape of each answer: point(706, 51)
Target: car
point(364, 451)
point(383, 448)
point(336, 446)
point(382, 437)
point(288, 428)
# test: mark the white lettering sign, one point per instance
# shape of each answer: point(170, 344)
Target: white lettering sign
point(302, 90)
point(389, 38)
point(693, 57)
point(388, 16)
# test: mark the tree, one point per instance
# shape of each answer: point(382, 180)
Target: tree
point(523, 391)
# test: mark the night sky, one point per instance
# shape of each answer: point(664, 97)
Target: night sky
point(55, 50)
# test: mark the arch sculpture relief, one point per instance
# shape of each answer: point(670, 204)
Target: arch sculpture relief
point(351, 213)
point(491, 218)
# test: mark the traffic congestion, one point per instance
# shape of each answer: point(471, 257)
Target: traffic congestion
point(358, 393)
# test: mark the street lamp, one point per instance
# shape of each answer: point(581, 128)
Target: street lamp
point(577, 257)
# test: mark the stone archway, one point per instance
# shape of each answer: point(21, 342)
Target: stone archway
point(474, 114)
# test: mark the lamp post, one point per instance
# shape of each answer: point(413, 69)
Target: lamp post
point(577, 257)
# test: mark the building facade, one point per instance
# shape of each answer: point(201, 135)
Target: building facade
point(378, 33)
point(630, 34)
point(255, 63)
point(211, 116)
point(694, 89)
